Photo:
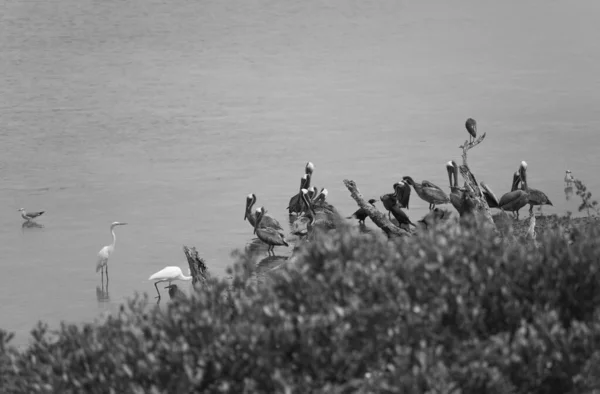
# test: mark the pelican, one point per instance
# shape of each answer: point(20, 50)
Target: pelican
point(309, 168)
point(268, 220)
point(536, 197)
point(314, 218)
point(168, 274)
point(401, 216)
point(268, 235)
point(29, 216)
point(361, 214)
point(428, 192)
point(569, 178)
point(471, 126)
point(489, 195)
point(517, 198)
point(456, 193)
point(106, 251)
point(295, 205)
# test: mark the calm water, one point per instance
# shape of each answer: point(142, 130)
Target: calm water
point(165, 115)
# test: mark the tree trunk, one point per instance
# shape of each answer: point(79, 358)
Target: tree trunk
point(376, 216)
point(197, 266)
point(477, 203)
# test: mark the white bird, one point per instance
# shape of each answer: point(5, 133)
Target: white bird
point(31, 215)
point(568, 177)
point(106, 251)
point(168, 274)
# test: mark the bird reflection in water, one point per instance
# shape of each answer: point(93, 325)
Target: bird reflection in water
point(568, 192)
point(102, 292)
point(30, 225)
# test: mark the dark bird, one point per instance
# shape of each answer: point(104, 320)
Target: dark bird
point(174, 292)
point(456, 193)
point(428, 192)
point(471, 126)
point(30, 215)
point(401, 196)
point(489, 195)
point(516, 199)
point(361, 214)
point(401, 216)
point(268, 220)
point(268, 235)
point(295, 205)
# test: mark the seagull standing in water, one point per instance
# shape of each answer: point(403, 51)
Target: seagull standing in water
point(29, 216)
point(569, 178)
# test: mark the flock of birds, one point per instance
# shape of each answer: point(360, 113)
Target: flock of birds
point(309, 209)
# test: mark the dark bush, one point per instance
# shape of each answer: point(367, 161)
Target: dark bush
point(455, 309)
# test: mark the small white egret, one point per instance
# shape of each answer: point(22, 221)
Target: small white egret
point(168, 274)
point(105, 252)
point(29, 215)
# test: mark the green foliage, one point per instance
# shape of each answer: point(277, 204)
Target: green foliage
point(455, 309)
point(587, 204)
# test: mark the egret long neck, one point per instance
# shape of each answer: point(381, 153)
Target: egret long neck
point(112, 230)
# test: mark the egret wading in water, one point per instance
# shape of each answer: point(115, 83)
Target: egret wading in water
point(105, 252)
point(29, 216)
point(168, 274)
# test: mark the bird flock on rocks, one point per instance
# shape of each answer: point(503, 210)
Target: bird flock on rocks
point(309, 209)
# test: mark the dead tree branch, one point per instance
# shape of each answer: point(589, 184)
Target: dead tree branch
point(197, 266)
point(376, 216)
point(477, 202)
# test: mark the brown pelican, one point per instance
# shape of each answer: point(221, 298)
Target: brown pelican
point(295, 205)
point(401, 216)
point(361, 214)
point(471, 126)
point(30, 215)
point(268, 220)
point(569, 178)
point(456, 193)
point(319, 218)
point(517, 198)
point(268, 235)
point(489, 195)
point(536, 197)
point(428, 192)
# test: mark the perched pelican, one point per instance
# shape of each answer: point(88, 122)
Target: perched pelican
point(569, 178)
point(456, 193)
point(517, 198)
point(295, 205)
point(536, 197)
point(320, 218)
point(309, 168)
point(471, 126)
point(29, 216)
point(489, 195)
point(268, 220)
point(268, 235)
point(428, 192)
point(361, 214)
point(106, 251)
point(168, 274)
point(401, 216)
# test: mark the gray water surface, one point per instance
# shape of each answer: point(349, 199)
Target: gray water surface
point(166, 115)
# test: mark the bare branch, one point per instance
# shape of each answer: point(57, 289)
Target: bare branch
point(376, 216)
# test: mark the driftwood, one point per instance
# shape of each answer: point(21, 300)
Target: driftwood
point(197, 266)
point(379, 218)
point(476, 201)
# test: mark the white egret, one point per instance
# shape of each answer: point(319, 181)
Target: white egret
point(105, 252)
point(168, 274)
point(29, 215)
